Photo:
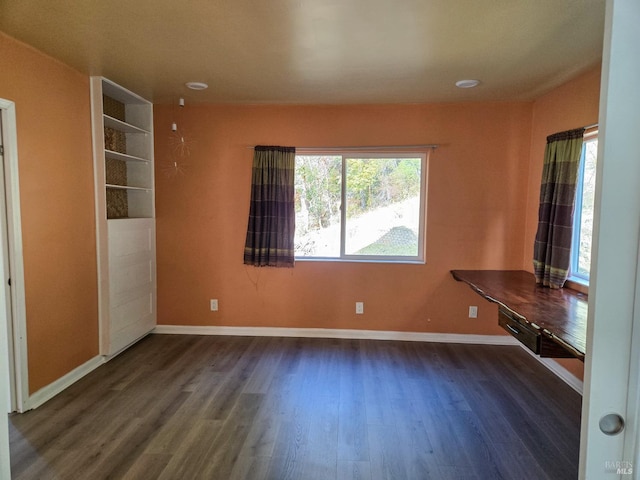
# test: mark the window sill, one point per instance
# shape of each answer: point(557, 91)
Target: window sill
point(355, 260)
point(577, 284)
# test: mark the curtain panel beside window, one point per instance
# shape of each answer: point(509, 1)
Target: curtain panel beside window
point(271, 228)
point(552, 248)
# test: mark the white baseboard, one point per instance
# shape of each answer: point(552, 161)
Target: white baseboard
point(561, 372)
point(553, 366)
point(337, 333)
point(54, 388)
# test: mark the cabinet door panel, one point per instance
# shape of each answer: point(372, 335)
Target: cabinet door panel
point(130, 312)
point(130, 277)
point(132, 281)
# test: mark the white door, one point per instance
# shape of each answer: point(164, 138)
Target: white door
point(613, 333)
point(5, 359)
point(12, 298)
point(5, 281)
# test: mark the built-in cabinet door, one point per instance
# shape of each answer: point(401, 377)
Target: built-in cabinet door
point(132, 281)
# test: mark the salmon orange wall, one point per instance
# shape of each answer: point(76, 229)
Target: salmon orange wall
point(572, 105)
point(58, 226)
point(475, 217)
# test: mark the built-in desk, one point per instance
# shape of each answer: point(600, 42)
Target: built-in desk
point(551, 322)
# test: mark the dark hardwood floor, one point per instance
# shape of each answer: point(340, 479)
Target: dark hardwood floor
point(205, 407)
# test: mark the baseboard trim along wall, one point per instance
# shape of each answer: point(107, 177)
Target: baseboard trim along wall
point(54, 388)
point(552, 365)
point(337, 333)
point(564, 374)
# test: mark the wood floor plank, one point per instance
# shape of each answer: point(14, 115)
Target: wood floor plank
point(40, 466)
point(261, 438)
point(353, 442)
point(448, 450)
point(420, 459)
point(198, 407)
point(219, 446)
point(235, 381)
point(147, 467)
point(353, 436)
point(254, 468)
point(266, 369)
point(538, 441)
point(321, 449)
point(225, 450)
point(287, 460)
point(377, 399)
point(474, 443)
point(86, 459)
point(191, 457)
point(348, 470)
point(515, 459)
point(388, 461)
point(127, 450)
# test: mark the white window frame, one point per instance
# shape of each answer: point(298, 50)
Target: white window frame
point(574, 274)
point(348, 154)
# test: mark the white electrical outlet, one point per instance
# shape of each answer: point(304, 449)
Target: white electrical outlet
point(359, 308)
point(214, 304)
point(473, 312)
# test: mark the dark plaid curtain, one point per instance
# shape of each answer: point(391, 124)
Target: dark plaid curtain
point(552, 248)
point(270, 233)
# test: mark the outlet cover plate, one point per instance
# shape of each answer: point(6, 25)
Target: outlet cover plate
point(360, 308)
point(214, 304)
point(473, 312)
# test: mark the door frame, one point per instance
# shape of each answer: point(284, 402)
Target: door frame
point(19, 377)
point(613, 325)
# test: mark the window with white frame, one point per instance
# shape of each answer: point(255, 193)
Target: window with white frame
point(583, 214)
point(368, 207)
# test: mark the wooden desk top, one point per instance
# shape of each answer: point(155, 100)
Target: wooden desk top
point(561, 314)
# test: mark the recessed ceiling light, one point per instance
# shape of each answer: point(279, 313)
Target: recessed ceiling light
point(467, 83)
point(197, 85)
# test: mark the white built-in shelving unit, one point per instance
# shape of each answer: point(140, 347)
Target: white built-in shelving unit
point(125, 214)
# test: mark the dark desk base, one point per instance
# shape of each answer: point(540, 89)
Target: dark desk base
point(533, 337)
point(551, 323)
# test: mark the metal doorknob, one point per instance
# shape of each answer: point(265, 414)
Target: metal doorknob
point(611, 424)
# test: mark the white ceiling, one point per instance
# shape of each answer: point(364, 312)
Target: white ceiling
point(318, 51)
